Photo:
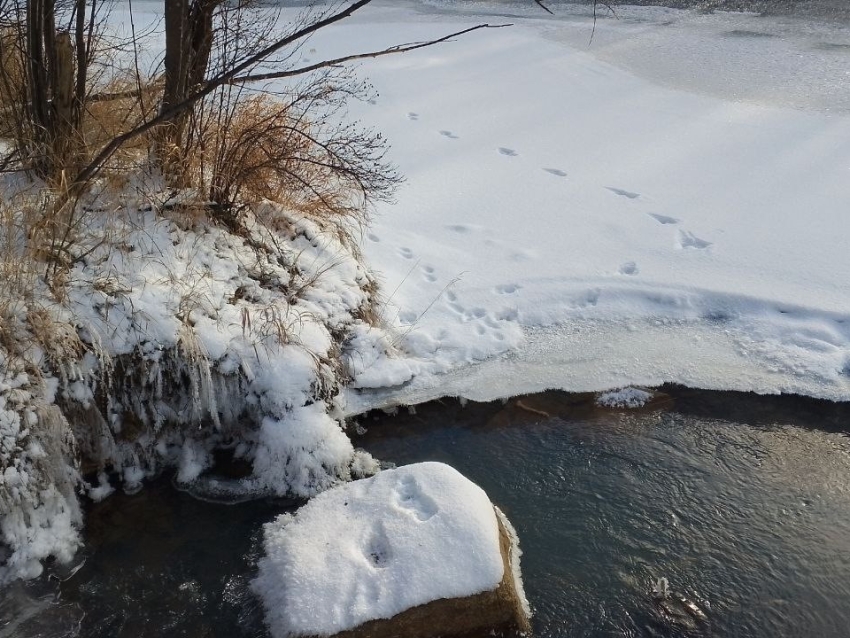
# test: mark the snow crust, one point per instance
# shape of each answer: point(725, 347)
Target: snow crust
point(373, 548)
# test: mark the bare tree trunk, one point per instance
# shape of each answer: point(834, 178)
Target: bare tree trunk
point(56, 77)
point(65, 126)
point(37, 78)
point(188, 43)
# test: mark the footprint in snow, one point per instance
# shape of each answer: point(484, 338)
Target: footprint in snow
point(508, 151)
point(556, 172)
point(663, 219)
point(409, 497)
point(689, 240)
point(428, 273)
point(629, 268)
point(623, 193)
point(373, 102)
point(373, 237)
point(449, 135)
point(474, 313)
point(507, 289)
point(459, 228)
point(405, 252)
point(413, 116)
point(378, 549)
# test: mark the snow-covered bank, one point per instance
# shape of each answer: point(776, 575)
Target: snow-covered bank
point(643, 209)
point(174, 337)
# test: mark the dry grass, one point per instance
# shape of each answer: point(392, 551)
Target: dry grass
point(249, 149)
point(25, 323)
point(117, 107)
point(12, 76)
point(254, 151)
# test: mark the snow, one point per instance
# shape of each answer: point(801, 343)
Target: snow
point(39, 516)
point(664, 204)
point(201, 342)
point(376, 547)
point(624, 398)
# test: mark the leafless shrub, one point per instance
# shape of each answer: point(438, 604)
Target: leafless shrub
point(263, 147)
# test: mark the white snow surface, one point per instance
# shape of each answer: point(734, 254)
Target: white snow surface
point(373, 548)
point(666, 203)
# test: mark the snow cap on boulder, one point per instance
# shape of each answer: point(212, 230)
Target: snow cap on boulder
point(375, 548)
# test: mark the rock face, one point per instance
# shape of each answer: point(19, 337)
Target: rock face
point(417, 552)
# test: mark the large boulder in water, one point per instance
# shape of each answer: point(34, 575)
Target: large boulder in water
point(418, 551)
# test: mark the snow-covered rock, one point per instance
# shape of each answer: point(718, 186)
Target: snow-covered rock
point(624, 398)
point(415, 551)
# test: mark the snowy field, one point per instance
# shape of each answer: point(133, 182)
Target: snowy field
point(666, 203)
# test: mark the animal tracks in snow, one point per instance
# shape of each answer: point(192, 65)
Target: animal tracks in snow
point(409, 497)
point(503, 150)
point(629, 268)
point(378, 550)
point(684, 239)
point(663, 219)
point(623, 193)
point(507, 289)
point(689, 240)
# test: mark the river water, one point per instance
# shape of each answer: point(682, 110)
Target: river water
point(742, 503)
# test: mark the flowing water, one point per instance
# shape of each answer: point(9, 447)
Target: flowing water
point(742, 503)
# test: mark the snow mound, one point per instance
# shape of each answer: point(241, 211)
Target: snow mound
point(376, 547)
point(624, 398)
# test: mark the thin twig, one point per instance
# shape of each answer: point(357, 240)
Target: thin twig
point(544, 7)
point(399, 48)
point(607, 6)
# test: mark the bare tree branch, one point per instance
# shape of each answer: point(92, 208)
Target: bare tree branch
point(399, 48)
point(230, 76)
point(166, 115)
point(544, 7)
point(607, 6)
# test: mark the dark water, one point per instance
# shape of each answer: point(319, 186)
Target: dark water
point(742, 503)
